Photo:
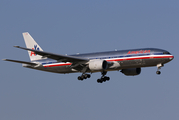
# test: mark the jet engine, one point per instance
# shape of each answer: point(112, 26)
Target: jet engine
point(131, 71)
point(98, 65)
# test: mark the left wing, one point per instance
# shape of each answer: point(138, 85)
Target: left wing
point(58, 57)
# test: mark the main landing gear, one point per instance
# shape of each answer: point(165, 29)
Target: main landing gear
point(159, 67)
point(84, 76)
point(103, 78)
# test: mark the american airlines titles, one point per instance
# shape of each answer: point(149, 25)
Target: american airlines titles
point(139, 52)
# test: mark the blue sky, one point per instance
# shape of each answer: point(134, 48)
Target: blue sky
point(68, 27)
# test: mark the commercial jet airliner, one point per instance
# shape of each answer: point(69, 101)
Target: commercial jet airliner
point(129, 62)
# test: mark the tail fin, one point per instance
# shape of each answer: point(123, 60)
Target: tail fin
point(31, 44)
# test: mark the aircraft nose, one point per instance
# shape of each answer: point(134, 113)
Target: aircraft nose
point(169, 55)
point(172, 57)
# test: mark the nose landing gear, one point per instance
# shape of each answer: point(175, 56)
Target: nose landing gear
point(159, 67)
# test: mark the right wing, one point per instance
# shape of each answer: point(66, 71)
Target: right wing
point(58, 57)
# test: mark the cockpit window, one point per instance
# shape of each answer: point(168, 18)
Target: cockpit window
point(166, 52)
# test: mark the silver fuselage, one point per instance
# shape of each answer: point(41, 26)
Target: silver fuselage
point(122, 59)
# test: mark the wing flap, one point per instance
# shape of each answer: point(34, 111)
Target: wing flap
point(58, 57)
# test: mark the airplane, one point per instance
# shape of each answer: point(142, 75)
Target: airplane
point(129, 62)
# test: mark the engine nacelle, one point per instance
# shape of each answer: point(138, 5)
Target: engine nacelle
point(98, 65)
point(131, 71)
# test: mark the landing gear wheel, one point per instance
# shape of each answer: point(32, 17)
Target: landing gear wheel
point(88, 75)
point(84, 76)
point(103, 79)
point(107, 78)
point(80, 78)
point(99, 81)
point(158, 72)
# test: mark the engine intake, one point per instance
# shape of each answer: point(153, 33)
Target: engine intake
point(98, 65)
point(131, 71)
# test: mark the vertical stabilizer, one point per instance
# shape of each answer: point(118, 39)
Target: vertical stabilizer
point(30, 43)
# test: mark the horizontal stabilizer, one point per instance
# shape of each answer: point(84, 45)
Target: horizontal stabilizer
point(23, 62)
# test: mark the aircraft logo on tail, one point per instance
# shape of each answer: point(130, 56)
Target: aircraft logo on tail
point(35, 48)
